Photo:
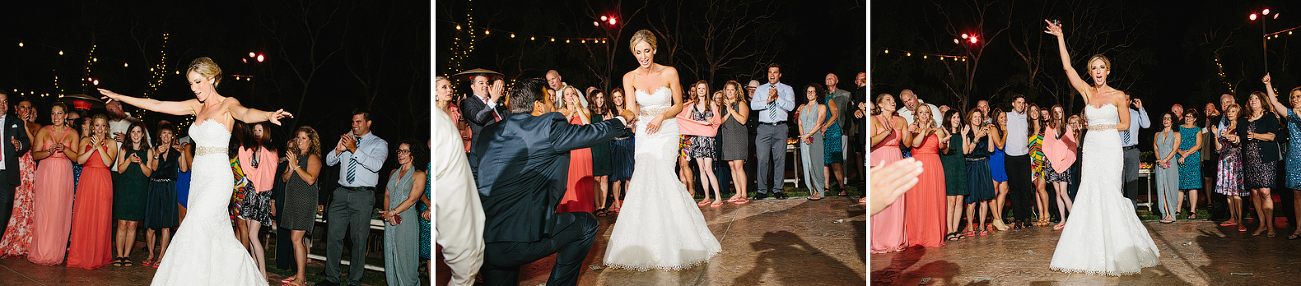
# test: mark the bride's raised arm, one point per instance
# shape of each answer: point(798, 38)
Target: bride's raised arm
point(188, 107)
point(251, 115)
point(1071, 74)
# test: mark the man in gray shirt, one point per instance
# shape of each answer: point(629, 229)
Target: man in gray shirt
point(1017, 164)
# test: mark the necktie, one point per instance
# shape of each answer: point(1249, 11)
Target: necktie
point(772, 114)
point(495, 116)
point(352, 164)
point(1125, 136)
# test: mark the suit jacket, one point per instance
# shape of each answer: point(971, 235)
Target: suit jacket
point(14, 128)
point(521, 165)
point(477, 114)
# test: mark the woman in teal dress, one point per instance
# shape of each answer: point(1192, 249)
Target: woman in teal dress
point(130, 191)
point(955, 172)
point(832, 152)
point(403, 191)
point(1190, 159)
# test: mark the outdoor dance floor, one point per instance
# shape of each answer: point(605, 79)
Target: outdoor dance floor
point(1192, 253)
point(768, 242)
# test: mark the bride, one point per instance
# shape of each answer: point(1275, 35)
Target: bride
point(1102, 235)
point(659, 226)
point(204, 251)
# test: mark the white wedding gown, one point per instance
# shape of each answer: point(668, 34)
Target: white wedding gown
point(204, 250)
point(1103, 235)
point(659, 226)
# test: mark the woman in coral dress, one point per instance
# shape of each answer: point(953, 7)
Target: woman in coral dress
point(925, 224)
point(92, 211)
point(578, 197)
point(18, 233)
point(888, 225)
point(54, 184)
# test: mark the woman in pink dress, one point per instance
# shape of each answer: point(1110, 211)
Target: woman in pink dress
point(92, 211)
point(55, 144)
point(925, 221)
point(578, 197)
point(888, 225)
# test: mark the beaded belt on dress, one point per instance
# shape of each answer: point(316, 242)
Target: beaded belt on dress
point(654, 110)
point(205, 150)
point(1096, 127)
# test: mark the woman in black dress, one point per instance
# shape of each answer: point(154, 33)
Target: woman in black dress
point(601, 168)
point(160, 207)
point(1259, 158)
point(735, 137)
point(300, 210)
point(621, 155)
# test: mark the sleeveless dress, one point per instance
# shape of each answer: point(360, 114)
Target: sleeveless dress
point(979, 179)
point(204, 250)
point(621, 158)
point(1038, 161)
point(955, 168)
point(1102, 234)
point(18, 233)
point(1258, 170)
point(735, 137)
point(811, 153)
point(400, 249)
point(160, 207)
point(1167, 179)
point(130, 188)
point(888, 225)
point(998, 165)
point(92, 216)
point(426, 224)
point(925, 225)
point(1228, 178)
point(54, 185)
point(300, 201)
point(1190, 173)
point(701, 146)
point(601, 165)
point(659, 226)
point(578, 196)
point(1294, 151)
point(832, 153)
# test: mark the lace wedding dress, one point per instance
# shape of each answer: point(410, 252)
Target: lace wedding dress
point(1102, 234)
point(204, 250)
point(659, 226)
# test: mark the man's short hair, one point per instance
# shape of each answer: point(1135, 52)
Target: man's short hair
point(483, 75)
point(525, 93)
point(775, 65)
point(365, 114)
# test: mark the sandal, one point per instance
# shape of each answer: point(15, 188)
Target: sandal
point(741, 201)
point(117, 262)
point(1294, 236)
point(815, 199)
point(1228, 223)
point(1192, 215)
point(703, 203)
point(602, 212)
point(147, 263)
point(716, 204)
point(1059, 226)
point(126, 261)
point(1242, 228)
point(971, 233)
point(984, 232)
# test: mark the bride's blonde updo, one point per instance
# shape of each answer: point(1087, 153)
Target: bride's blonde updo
point(1106, 63)
point(641, 35)
point(207, 68)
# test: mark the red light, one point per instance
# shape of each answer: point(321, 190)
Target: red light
point(973, 39)
point(603, 18)
point(612, 21)
point(1252, 17)
point(955, 41)
point(250, 54)
point(964, 36)
point(260, 57)
point(595, 23)
point(245, 60)
point(1266, 12)
point(96, 82)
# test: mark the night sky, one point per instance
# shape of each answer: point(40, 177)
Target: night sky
point(371, 55)
point(812, 38)
point(1162, 52)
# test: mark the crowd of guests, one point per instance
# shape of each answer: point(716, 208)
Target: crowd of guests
point(976, 162)
point(82, 186)
point(721, 129)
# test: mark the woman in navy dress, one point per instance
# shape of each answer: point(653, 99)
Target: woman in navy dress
point(976, 144)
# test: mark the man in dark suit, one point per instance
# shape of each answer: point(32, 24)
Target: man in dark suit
point(484, 106)
point(17, 143)
point(521, 165)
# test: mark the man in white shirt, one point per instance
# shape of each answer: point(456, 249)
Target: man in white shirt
point(556, 84)
point(1017, 164)
point(910, 105)
point(1129, 143)
point(360, 154)
point(460, 214)
point(983, 105)
point(775, 101)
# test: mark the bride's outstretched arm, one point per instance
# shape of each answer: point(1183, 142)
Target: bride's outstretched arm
point(251, 115)
point(1273, 98)
point(1071, 74)
point(187, 107)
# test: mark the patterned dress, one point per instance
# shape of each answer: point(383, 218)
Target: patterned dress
point(701, 146)
point(300, 201)
point(1294, 151)
point(18, 234)
point(242, 187)
point(426, 224)
point(1228, 179)
point(831, 149)
point(1190, 172)
point(1038, 161)
point(1258, 171)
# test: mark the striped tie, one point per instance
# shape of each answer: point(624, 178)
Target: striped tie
point(352, 164)
point(772, 113)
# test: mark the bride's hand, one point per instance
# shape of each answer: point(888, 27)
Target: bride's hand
point(654, 125)
point(1053, 29)
point(109, 96)
point(274, 117)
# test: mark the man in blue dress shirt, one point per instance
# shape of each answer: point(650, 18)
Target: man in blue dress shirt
point(774, 101)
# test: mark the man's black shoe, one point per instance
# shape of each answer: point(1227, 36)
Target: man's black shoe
point(780, 196)
point(760, 196)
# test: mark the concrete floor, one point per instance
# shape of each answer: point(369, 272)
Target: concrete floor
point(775, 242)
point(1192, 253)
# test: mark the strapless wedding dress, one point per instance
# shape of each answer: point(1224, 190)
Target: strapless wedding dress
point(659, 226)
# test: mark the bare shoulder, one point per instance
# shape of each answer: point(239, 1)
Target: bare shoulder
point(669, 71)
